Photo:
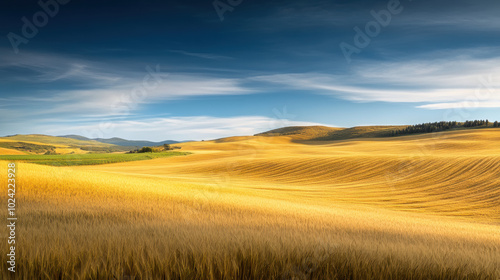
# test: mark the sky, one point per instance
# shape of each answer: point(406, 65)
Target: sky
point(193, 70)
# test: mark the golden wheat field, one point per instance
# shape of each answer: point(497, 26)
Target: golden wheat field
point(412, 207)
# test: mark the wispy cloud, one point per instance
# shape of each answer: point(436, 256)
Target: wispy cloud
point(439, 16)
point(125, 99)
point(436, 78)
point(201, 55)
point(101, 89)
point(46, 68)
point(461, 105)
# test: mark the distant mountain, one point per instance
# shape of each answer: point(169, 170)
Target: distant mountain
point(77, 137)
point(123, 142)
point(47, 139)
point(139, 143)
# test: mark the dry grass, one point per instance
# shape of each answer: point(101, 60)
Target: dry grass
point(265, 208)
point(4, 151)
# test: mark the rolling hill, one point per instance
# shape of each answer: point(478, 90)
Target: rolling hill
point(419, 173)
point(69, 144)
point(271, 207)
point(40, 144)
point(324, 133)
point(302, 132)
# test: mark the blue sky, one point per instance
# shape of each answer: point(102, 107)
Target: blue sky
point(159, 70)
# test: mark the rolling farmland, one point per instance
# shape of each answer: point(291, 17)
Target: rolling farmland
point(270, 207)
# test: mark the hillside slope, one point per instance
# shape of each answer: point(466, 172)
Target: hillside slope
point(324, 133)
point(412, 207)
point(453, 173)
point(302, 132)
point(39, 144)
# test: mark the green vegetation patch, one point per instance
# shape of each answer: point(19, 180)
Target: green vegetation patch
point(87, 159)
point(28, 147)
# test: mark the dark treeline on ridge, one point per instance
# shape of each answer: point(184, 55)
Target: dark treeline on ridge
point(441, 126)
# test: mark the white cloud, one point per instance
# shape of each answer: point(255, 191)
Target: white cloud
point(458, 79)
point(201, 55)
point(461, 105)
point(337, 86)
point(438, 78)
point(103, 89)
point(125, 98)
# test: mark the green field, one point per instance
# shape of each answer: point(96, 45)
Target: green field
point(87, 159)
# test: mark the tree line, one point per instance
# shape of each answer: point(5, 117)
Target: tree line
point(441, 126)
point(165, 147)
